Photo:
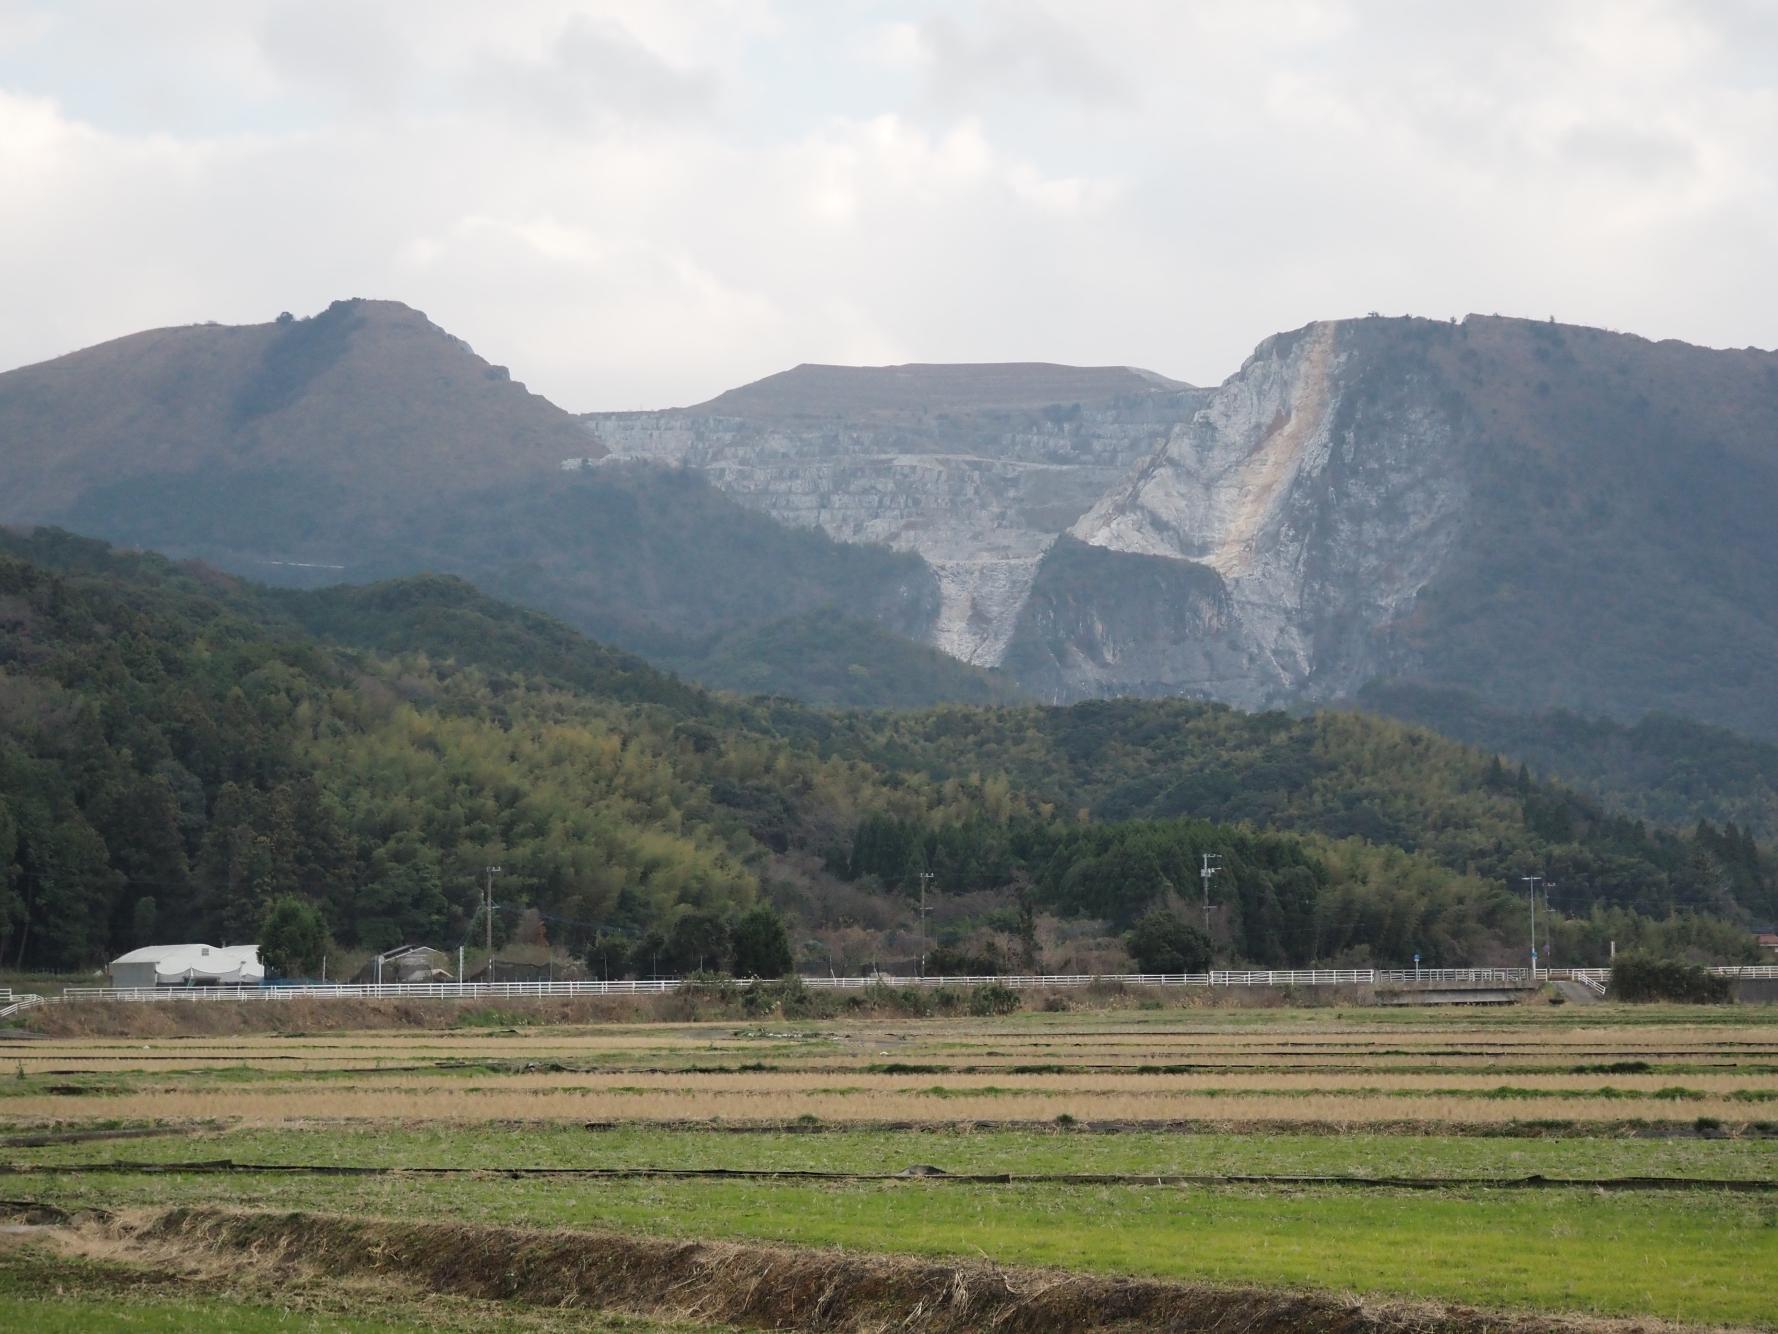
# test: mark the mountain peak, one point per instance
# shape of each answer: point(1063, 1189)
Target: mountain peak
point(366, 396)
point(817, 390)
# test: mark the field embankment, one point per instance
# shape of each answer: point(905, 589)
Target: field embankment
point(750, 1286)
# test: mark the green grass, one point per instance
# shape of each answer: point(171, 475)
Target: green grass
point(51, 1294)
point(1695, 1257)
point(90, 1315)
point(1025, 1152)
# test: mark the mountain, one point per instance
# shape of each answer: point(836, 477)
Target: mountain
point(1547, 516)
point(975, 468)
point(366, 443)
point(180, 748)
point(925, 390)
point(275, 445)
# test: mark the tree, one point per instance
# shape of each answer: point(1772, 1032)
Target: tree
point(12, 905)
point(608, 956)
point(699, 943)
point(646, 956)
point(293, 937)
point(1164, 942)
point(66, 885)
point(762, 947)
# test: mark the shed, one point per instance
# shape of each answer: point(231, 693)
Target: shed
point(192, 965)
point(406, 963)
point(514, 970)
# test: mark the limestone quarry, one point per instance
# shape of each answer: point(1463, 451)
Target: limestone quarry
point(978, 474)
point(1298, 523)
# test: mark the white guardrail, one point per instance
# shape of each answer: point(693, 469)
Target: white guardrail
point(19, 1004)
point(1596, 979)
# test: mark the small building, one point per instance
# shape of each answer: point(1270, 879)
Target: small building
point(406, 963)
point(188, 966)
point(514, 970)
point(1767, 941)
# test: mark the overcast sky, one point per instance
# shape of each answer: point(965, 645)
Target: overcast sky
point(639, 204)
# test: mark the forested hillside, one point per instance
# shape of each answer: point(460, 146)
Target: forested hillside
point(1666, 769)
point(1338, 774)
point(178, 749)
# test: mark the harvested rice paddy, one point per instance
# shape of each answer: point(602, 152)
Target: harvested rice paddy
point(1598, 1163)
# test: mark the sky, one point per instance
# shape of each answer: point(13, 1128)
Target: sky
point(640, 203)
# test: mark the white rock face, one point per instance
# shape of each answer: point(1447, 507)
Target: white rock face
point(980, 495)
point(1277, 526)
point(1324, 517)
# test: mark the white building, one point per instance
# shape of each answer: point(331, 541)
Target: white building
point(189, 966)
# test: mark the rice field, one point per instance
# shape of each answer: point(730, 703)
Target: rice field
point(1594, 1163)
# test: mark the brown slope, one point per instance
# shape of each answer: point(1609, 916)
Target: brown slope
point(369, 394)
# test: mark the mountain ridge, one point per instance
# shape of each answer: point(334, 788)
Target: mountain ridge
point(1549, 515)
point(826, 389)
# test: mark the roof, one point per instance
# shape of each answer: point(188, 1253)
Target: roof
point(192, 962)
point(155, 953)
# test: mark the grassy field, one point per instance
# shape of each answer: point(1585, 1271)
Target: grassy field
point(488, 1127)
point(51, 1293)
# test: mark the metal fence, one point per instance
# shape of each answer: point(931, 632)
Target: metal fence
point(1293, 977)
point(1595, 978)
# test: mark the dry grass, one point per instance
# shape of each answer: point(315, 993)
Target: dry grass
point(1316, 1067)
point(760, 1285)
point(1088, 1084)
point(261, 1106)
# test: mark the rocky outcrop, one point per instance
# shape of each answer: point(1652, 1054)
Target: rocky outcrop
point(1323, 495)
point(979, 485)
point(1272, 529)
point(1101, 622)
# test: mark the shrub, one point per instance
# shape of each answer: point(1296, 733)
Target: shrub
point(1164, 942)
point(1642, 977)
point(993, 998)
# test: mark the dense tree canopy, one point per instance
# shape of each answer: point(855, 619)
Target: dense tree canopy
point(180, 752)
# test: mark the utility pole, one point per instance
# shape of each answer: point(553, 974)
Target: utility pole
point(1532, 882)
point(1212, 864)
point(1549, 926)
point(492, 872)
point(925, 879)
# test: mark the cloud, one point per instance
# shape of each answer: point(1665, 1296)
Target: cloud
point(1022, 47)
point(593, 69)
point(642, 202)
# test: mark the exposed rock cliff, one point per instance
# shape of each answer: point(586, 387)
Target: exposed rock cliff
point(1323, 494)
point(976, 468)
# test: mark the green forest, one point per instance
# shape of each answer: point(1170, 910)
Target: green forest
point(182, 751)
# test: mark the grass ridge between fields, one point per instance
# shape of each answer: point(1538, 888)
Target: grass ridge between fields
point(775, 1286)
